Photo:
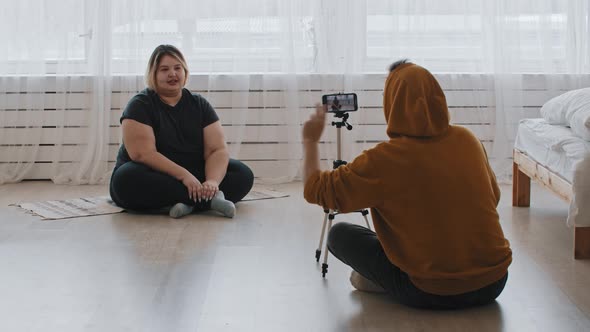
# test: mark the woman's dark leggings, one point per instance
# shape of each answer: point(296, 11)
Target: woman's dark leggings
point(359, 248)
point(137, 187)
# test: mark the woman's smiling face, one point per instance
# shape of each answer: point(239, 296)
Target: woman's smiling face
point(170, 75)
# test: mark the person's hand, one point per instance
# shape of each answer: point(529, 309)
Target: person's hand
point(194, 187)
point(209, 189)
point(313, 128)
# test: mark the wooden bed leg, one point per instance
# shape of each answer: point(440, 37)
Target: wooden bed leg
point(521, 187)
point(582, 242)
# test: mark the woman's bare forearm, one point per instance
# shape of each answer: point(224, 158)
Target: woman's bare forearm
point(216, 165)
point(311, 159)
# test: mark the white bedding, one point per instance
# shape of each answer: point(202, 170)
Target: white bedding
point(570, 109)
point(558, 149)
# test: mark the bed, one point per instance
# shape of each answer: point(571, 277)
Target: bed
point(556, 157)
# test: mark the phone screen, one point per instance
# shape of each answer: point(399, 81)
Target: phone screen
point(340, 102)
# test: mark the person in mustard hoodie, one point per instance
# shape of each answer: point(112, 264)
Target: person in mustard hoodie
point(438, 242)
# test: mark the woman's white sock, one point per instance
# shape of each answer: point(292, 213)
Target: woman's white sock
point(180, 210)
point(223, 206)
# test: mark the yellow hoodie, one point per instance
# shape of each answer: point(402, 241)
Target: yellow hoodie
point(432, 193)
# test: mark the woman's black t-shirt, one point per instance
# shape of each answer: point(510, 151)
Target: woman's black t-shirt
point(178, 129)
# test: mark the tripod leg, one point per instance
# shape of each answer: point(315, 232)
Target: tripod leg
point(318, 251)
point(326, 251)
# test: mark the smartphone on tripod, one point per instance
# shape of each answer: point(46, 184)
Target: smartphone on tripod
point(340, 102)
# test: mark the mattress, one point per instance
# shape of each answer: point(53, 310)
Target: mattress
point(562, 152)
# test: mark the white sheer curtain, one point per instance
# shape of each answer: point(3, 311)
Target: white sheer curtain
point(67, 62)
point(499, 44)
point(531, 37)
point(90, 51)
point(28, 54)
point(56, 67)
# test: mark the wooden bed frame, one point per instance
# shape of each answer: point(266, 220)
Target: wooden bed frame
point(525, 169)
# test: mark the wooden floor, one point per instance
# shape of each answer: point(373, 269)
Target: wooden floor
point(256, 272)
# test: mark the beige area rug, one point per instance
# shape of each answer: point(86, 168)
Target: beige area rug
point(93, 206)
point(261, 192)
point(71, 208)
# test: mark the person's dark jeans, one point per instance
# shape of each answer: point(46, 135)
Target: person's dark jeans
point(359, 248)
point(137, 187)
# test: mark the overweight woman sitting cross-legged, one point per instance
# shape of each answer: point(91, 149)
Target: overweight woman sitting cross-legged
point(174, 154)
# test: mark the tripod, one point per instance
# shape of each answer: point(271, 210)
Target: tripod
point(330, 214)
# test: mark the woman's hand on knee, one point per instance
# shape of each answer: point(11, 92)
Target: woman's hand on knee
point(194, 187)
point(209, 189)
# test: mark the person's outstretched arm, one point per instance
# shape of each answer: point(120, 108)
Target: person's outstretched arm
point(312, 131)
point(349, 187)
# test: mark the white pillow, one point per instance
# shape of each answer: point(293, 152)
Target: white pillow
point(580, 122)
point(570, 109)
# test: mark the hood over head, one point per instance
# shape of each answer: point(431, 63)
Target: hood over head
point(414, 103)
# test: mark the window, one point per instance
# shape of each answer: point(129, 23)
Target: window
point(295, 36)
point(38, 35)
point(225, 36)
point(462, 36)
